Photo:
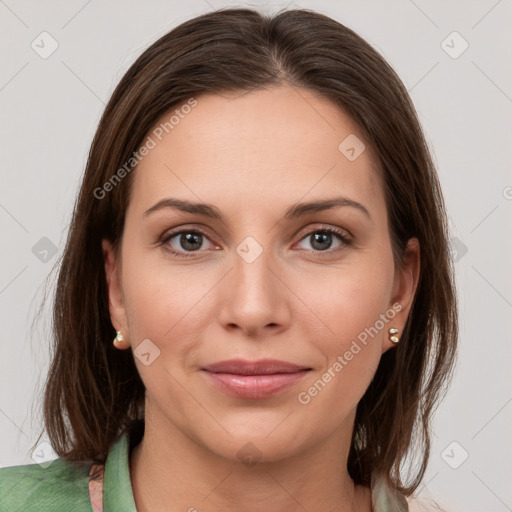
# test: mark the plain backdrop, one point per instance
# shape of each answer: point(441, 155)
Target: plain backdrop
point(454, 58)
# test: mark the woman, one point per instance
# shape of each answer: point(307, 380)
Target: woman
point(261, 230)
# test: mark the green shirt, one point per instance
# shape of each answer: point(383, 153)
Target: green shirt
point(63, 486)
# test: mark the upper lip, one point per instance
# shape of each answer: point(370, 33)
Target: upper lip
point(261, 367)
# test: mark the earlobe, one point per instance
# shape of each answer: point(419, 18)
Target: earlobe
point(115, 296)
point(404, 291)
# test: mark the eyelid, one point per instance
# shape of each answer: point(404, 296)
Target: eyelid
point(341, 232)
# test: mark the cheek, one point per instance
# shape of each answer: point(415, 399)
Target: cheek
point(351, 356)
point(165, 303)
point(348, 300)
point(352, 308)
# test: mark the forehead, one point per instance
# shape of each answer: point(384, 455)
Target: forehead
point(268, 147)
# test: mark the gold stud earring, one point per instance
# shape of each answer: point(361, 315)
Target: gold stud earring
point(118, 339)
point(392, 336)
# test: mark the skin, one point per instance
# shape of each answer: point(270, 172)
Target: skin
point(253, 155)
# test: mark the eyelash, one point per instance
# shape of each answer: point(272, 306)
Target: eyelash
point(164, 239)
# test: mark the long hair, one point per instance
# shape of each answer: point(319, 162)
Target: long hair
point(93, 392)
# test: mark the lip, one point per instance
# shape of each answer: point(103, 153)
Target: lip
point(254, 379)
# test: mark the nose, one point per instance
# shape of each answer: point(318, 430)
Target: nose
point(255, 298)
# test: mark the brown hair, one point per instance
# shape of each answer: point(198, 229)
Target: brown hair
point(93, 392)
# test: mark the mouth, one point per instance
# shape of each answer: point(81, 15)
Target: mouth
point(254, 379)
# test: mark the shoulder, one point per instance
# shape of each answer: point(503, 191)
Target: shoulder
point(54, 486)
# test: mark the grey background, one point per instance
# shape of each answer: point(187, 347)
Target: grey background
point(50, 109)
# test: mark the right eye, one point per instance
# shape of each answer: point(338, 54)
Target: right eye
point(184, 241)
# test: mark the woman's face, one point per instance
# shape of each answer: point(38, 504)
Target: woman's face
point(255, 276)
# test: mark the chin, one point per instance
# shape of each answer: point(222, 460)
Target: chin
point(257, 444)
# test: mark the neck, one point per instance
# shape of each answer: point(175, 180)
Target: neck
point(169, 469)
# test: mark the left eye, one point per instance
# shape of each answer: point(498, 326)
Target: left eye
point(321, 240)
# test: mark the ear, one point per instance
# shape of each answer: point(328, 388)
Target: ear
point(404, 290)
point(115, 294)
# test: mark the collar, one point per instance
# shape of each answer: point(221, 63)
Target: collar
point(117, 491)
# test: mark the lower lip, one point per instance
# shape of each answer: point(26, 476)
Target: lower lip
point(254, 386)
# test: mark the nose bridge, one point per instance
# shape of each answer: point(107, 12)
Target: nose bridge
point(253, 278)
point(255, 299)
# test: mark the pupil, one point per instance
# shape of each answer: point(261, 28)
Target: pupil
point(324, 239)
point(187, 241)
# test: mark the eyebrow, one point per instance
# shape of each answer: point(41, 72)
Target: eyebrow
point(293, 212)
